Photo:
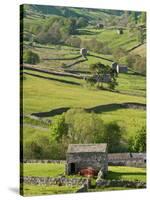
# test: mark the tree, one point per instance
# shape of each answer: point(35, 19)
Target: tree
point(134, 16)
point(112, 136)
point(83, 127)
point(140, 36)
point(143, 17)
point(81, 22)
point(30, 57)
point(140, 141)
point(72, 28)
point(102, 72)
point(59, 128)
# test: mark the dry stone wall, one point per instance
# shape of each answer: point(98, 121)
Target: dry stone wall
point(60, 181)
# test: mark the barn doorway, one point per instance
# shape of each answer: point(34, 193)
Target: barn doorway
point(72, 168)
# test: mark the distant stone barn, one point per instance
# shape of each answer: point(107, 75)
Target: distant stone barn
point(99, 26)
point(83, 52)
point(120, 31)
point(82, 156)
point(119, 68)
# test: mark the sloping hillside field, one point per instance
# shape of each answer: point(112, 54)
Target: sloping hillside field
point(83, 81)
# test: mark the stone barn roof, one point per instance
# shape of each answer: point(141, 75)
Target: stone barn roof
point(86, 148)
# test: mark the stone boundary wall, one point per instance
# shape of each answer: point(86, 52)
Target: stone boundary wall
point(120, 183)
point(43, 161)
point(129, 163)
point(60, 181)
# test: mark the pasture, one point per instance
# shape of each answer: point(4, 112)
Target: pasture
point(54, 81)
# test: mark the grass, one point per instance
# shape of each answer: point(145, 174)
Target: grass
point(103, 189)
point(55, 169)
point(40, 169)
point(30, 190)
point(127, 173)
point(113, 40)
point(141, 50)
point(42, 95)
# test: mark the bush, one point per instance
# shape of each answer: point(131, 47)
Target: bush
point(59, 128)
point(113, 137)
point(83, 127)
point(139, 144)
point(30, 57)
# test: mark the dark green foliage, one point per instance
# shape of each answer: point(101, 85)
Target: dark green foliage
point(143, 18)
point(83, 127)
point(30, 57)
point(140, 36)
point(55, 30)
point(100, 72)
point(139, 144)
point(113, 136)
point(81, 22)
point(59, 128)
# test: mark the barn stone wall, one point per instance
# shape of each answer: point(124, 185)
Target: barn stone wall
point(96, 160)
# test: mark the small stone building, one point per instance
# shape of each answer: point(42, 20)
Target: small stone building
point(120, 31)
point(83, 52)
point(82, 156)
point(122, 68)
point(119, 68)
point(99, 26)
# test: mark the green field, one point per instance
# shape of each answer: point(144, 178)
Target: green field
point(126, 41)
point(51, 39)
point(55, 170)
point(114, 172)
point(30, 190)
point(43, 95)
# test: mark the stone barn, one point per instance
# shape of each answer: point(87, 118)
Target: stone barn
point(119, 68)
point(83, 156)
point(120, 31)
point(122, 68)
point(83, 52)
point(99, 26)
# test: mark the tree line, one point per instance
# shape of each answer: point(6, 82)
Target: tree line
point(78, 126)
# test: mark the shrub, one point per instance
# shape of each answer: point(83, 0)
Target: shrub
point(59, 128)
point(83, 127)
point(113, 137)
point(30, 57)
point(139, 144)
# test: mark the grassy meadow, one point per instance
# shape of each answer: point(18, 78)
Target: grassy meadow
point(52, 38)
point(55, 170)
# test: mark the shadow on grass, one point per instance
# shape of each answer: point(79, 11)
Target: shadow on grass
point(57, 111)
point(118, 175)
point(96, 109)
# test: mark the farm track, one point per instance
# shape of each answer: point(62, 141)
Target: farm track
point(34, 126)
